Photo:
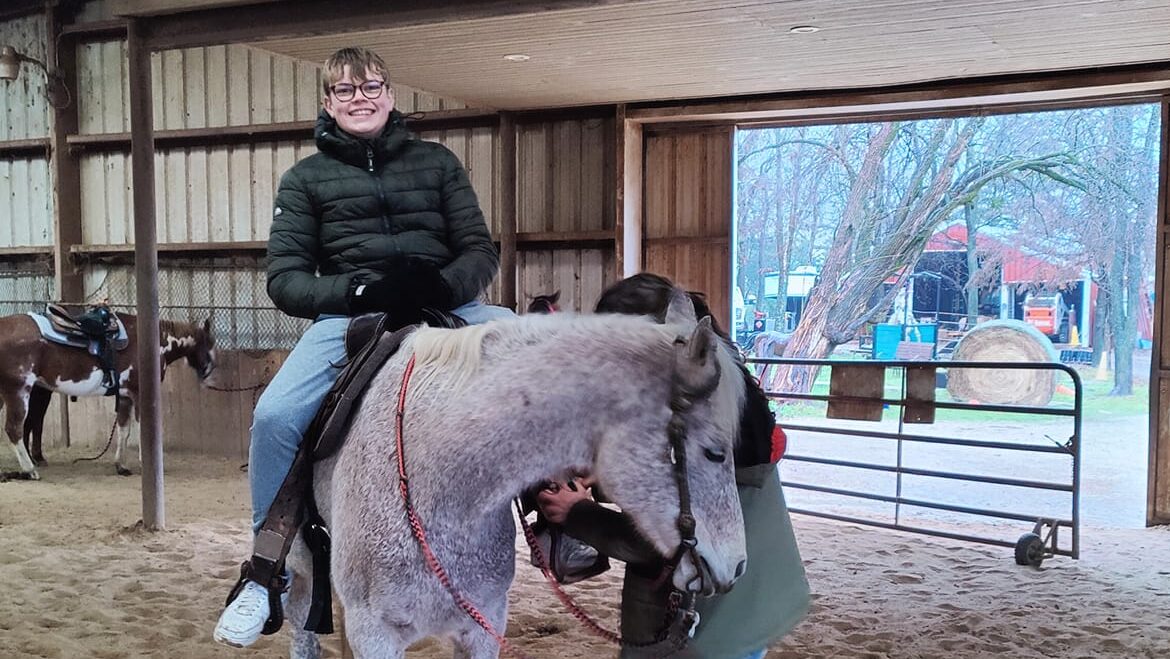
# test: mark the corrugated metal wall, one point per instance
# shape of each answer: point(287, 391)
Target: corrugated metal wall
point(26, 200)
point(26, 208)
point(26, 203)
point(95, 10)
point(208, 194)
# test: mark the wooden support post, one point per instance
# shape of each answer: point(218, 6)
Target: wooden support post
point(1158, 483)
point(508, 219)
point(149, 366)
point(628, 198)
point(61, 58)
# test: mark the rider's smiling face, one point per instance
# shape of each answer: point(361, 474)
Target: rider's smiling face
point(360, 116)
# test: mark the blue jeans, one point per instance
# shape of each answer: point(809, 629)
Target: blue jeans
point(291, 399)
point(758, 654)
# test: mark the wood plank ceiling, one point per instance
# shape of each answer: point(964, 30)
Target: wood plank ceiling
point(669, 49)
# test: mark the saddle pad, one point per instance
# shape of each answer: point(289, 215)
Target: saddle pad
point(51, 333)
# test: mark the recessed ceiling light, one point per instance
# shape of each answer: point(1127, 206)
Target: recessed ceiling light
point(517, 57)
point(804, 29)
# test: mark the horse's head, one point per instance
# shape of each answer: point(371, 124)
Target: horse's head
point(682, 458)
point(544, 303)
point(193, 342)
point(202, 355)
point(649, 294)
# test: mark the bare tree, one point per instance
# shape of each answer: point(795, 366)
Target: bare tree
point(910, 177)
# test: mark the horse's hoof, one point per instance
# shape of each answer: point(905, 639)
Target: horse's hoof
point(122, 471)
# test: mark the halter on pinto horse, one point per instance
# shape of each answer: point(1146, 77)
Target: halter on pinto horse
point(544, 303)
point(31, 367)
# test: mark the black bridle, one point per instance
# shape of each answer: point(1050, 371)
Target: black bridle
point(681, 402)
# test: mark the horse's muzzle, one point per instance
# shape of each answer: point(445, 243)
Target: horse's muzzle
point(205, 373)
point(706, 584)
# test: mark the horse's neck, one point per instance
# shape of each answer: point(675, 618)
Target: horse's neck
point(175, 342)
point(529, 427)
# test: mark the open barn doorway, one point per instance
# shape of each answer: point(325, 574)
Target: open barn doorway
point(853, 241)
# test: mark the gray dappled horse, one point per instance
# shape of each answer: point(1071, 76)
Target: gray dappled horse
point(492, 410)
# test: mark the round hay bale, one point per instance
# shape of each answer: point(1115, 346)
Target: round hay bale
point(1004, 341)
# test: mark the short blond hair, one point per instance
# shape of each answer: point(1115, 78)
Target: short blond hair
point(359, 61)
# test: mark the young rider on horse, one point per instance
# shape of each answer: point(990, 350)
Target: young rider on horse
point(771, 596)
point(377, 220)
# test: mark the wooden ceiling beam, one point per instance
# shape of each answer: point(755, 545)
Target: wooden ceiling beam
point(305, 18)
point(1056, 88)
point(162, 7)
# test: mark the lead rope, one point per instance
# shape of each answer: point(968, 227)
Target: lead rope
point(110, 439)
point(674, 603)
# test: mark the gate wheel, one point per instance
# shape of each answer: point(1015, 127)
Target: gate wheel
point(1029, 550)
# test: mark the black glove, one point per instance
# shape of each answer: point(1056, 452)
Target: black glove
point(375, 295)
point(422, 283)
point(407, 287)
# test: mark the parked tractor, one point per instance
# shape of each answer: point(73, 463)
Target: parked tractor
point(1048, 314)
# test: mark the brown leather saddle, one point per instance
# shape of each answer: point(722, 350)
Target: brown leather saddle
point(78, 329)
point(97, 329)
point(370, 341)
point(67, 322)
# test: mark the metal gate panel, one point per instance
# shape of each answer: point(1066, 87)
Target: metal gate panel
point(902, 464)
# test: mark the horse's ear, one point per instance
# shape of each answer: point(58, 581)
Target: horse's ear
point(207, 325)
point(680, 310)
point(555, 297)
point(697, 366)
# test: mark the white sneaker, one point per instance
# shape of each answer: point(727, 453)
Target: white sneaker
point(242, 621)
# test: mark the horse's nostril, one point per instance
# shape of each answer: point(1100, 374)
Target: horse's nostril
point(740, 569)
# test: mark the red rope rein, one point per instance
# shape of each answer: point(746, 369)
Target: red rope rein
point(420, 533)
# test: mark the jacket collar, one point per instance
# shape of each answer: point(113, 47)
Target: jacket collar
point(339, 144)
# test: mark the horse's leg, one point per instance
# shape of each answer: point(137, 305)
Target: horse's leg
point(475, 643)
point(124, 407)
point(304, 644)
point(34, 423)
point(16, 408)
point(370, 634)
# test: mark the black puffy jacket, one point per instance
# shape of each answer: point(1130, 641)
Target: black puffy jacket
point(342, 213)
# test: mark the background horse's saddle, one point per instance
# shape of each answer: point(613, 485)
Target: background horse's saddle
point(60, 326)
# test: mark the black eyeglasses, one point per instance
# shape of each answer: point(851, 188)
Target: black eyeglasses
point(371, 89)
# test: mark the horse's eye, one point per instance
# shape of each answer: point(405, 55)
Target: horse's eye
point(714, 456)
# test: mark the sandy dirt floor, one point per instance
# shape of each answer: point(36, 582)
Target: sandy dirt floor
point(82, 579)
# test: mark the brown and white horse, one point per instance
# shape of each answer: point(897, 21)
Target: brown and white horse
point(29, 363)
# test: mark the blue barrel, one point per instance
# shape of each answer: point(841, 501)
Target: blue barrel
point(885, 340)
point(926, 334)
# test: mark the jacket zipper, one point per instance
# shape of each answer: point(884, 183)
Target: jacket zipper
point(381, 192)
